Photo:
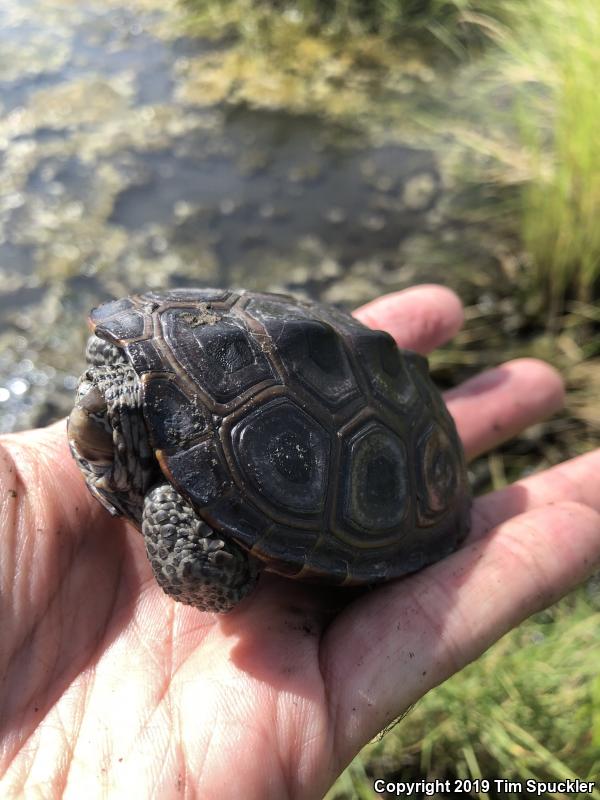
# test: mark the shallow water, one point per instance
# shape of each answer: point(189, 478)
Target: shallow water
point(113, 177)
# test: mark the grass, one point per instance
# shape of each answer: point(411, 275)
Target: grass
point(529, 708)
point(453, 22)
point(561, 202)
point(534, 117)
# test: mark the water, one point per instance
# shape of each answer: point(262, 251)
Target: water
point(115, 176)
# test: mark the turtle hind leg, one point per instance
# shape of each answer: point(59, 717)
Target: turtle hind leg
point(190, 562)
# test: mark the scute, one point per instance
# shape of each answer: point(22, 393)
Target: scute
point(375, 490)
point(314, 354)
point(105, 311)
point(386, 369)
point(283, 454)
point(198, 472)
point(145, 357)
point(220, 356)
point(285, 549)
point(435, 461)
point(125, 325)
point(174, 420)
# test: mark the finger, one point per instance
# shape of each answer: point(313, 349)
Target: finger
point(495, 405)
point(577, 480)
point(420, 318)
point(391, 647)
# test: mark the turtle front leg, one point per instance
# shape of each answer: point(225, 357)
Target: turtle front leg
point(191, 563)
point(107, 434)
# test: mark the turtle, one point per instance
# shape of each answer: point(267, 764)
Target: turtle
point(244, 432)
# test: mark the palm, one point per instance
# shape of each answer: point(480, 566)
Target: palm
point(107, 680)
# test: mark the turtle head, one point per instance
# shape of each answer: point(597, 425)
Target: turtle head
point(91, 440)
point(90, 432)
point(107, 434)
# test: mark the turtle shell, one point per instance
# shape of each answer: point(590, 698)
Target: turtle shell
point(314, 442)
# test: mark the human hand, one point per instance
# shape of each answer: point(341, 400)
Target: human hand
point(109, 687)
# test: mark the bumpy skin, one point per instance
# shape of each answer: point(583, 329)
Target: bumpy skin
point(189, 561)
point(294, 432)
